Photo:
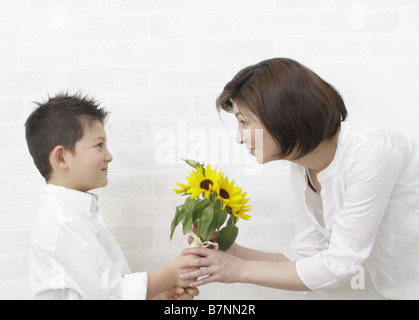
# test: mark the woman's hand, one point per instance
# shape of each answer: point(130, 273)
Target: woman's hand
point(218, 266)
point(177, 271)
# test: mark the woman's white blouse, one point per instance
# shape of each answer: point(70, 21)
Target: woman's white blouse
point(370, 202)
point(74, 256)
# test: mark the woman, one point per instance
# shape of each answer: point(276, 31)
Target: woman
point(358, 194)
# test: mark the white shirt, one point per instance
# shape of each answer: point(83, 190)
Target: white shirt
point(370, 202)
point(74, 256)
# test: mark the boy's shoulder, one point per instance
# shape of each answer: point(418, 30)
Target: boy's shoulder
point(59, 206)
point(57, 211)
point(64, 203)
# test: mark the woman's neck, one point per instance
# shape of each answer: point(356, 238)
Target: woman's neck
point(321, 157)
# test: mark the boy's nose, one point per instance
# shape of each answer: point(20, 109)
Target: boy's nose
point(108, 157)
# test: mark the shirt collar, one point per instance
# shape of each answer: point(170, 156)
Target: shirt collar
point(84, 201)
point(329, 171)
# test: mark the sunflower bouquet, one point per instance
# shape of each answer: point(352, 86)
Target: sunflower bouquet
point(213, 205)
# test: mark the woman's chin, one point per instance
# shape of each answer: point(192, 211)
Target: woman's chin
point(260, 160)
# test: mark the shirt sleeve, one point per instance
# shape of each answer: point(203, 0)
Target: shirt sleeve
point(89, 270)
point(307, 243)
point(135, 286)
point(370, 181)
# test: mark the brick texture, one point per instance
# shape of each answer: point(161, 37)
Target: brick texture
point(159, 66)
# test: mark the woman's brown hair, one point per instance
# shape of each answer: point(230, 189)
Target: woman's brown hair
point(297, 107)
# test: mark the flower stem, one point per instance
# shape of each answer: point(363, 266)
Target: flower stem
point(199, 228)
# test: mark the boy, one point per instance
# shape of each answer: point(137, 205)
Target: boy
point(72, 254)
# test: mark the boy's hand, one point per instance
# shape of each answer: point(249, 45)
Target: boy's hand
point(178, 293)
point(186, 294)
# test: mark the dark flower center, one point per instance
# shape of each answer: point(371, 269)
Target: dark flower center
point(224, 194)
point(205, 184)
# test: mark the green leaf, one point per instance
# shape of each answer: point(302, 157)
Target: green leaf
point(179, 214)
point(199, 207)
point(232, 220)
point(207, 217)
point(227, 236)
point(220, 218)
point(193, 163)
point(187, 219)
point(213, 197)
point(187, 222)
point(189, 204)
point(213, 225)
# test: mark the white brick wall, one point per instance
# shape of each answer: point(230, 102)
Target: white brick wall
point(158, 66)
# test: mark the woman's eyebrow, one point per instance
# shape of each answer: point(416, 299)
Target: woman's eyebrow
point(238, 113)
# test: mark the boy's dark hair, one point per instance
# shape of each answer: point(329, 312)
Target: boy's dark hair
point(296, 106)
point(60, 120)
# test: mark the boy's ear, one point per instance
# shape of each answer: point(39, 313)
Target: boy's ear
point(57, 158)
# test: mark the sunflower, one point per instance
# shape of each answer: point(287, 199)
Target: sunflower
point(233, 197)
point(183, 187)
point(204, 181)
point(239, 211)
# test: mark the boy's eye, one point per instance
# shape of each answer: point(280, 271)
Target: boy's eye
point(100, 145)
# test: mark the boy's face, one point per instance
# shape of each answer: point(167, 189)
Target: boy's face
point(89, 164)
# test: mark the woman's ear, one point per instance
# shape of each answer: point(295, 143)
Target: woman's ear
point(57, 158)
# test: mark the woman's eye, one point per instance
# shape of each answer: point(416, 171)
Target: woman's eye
point(244, 123)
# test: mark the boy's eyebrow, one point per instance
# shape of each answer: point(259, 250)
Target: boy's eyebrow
point(100, 138)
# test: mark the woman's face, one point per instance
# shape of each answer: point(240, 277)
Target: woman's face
point(255, 137)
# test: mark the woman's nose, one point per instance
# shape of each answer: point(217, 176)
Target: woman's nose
point(239, 137)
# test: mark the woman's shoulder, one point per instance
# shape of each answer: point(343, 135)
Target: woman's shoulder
point(379, 141)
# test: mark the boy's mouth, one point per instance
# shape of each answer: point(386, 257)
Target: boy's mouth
point(105, 169)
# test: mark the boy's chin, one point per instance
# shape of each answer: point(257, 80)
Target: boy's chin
point(99, 185)
point(104, 184)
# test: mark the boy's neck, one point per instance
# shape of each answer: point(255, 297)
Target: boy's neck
point(64, 184)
